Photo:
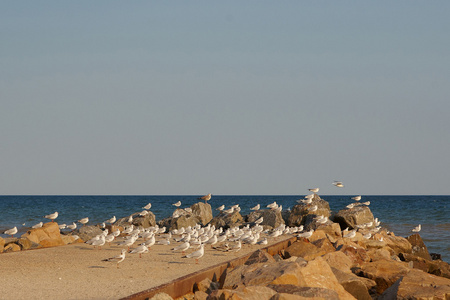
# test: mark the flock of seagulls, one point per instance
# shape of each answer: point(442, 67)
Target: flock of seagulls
point(198, 237)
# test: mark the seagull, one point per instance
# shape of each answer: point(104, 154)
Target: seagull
point(196, 254)
point(73, 226)
point(314, 190)
point(148, 206)
point(306, 201)
point(118, 259)
point(351, 234)
point(38, 225)
point(143, 213)
point(11, 231)
point(229, 211)
point(112, 220)
point(61, 227)
point(220, 208)
point(417, 228)
point(351, 205)
point(259, 221)
point(52, 216)
point(178, 204)
point(313, 208)
point(356, 198)
point(306, 234)
point(130, 219)
point(272, 205)
point(84, 220)
point(236, 247)
point(142, 248)
point(338, 184)
point(366, 203)
point(183, 247)
point(257, 207)
point(206, 197)
point(263, 242)
point(100, 242)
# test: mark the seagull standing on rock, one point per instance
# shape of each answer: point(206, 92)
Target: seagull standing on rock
point(83, 221)
point(178, 204)
point(417, 228)
point(206, 197)
point(52, 216)
point(11, 231)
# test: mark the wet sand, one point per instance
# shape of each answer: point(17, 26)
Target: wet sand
point(77, 271)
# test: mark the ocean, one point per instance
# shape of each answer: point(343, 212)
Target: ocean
point(399, 214)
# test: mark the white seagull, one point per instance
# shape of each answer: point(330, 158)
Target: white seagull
point(417, 228)
point(314, 190)
point(183, 247)
point(356, 198)
point(142, 248)
point(11, 231)
point(73, 226)
point(220, 208)
point(178, 204)
point(84, 220)
point(196, 254)
point(52, 216)
point(257, 207)
point(112, 220)
point(338, 184)
point(148, 206)
point(38, 225)
point(117, 259)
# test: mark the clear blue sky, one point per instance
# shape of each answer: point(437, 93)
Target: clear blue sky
point(224, 97)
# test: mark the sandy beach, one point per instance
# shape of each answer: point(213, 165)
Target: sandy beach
point(77, 271)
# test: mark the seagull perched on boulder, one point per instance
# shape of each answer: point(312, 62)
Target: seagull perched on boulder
point(52, 216)
point(206, 197)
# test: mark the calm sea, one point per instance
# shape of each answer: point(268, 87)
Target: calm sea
point(397, 213)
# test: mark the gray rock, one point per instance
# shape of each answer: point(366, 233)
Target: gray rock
point(203, 212)
point(87, 232)
point(351, 218)
point(299, 212)
point(271, 218)
point(227, 220)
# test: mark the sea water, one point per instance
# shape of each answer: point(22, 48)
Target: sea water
point(399, 214)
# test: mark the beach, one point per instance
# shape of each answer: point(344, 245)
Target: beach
point(77, 271)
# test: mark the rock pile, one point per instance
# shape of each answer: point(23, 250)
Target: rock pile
point(333, 267)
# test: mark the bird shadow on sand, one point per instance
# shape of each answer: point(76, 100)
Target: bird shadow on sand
point(177, 262)
point(170, 254)
point(96, 267)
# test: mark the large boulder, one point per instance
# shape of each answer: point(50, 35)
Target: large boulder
point(227, 220)
point(243, 292)
point(418, 246)
point(418, 285)
point(271, 218)
point(47, 236)
point(202, 211)
point(138, 220)
point(383, 272)
point(397, 244)
point(87, 232)
point(353, 217)
point(357, 286)
point(2, 244)
point(299, 212)
point(293, 292)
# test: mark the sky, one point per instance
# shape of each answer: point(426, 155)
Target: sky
point(224, 97)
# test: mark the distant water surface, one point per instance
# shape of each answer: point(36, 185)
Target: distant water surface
point(397, 213)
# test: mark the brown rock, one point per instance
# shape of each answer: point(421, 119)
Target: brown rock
point(378, 254)
point(418, 246)
point(161, 296)
point(11, 247)
point(69, 239)
point(398, 244)
point(357, 286)
point(383, 272)
point(259, 256)
point(203, 212)
point(339, 261)
point(303, 249)
point(2, 244)
point(302, 292)
point(317, 273)
point(418, 285)
point(356, 254)
point(435, 267)
point(199, 295)
point(351, 218)
point(243, 292)
point(145, 221)
point(324, 245)
point(47, 236)
point(206, 285)
point(278, 273)
point(26, 244)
